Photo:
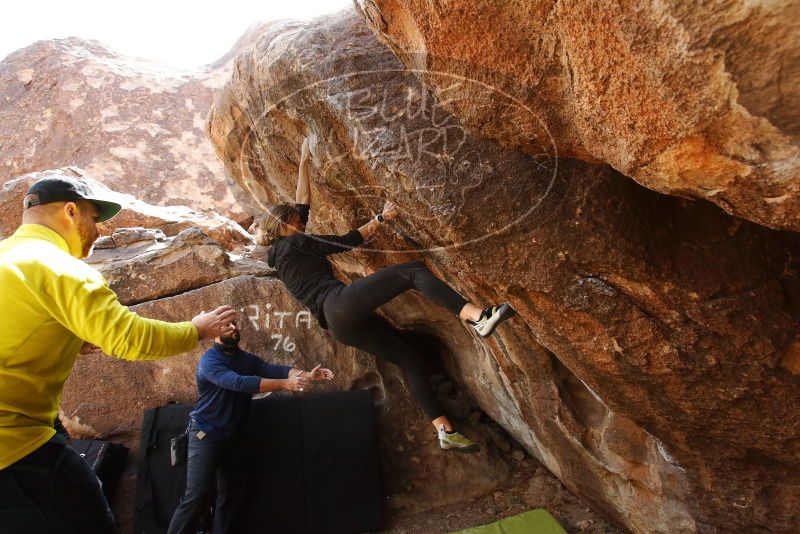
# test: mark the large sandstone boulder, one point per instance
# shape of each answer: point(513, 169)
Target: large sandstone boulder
point(699, 101)
point(653, 364)
point(135, 125)
point(176, 270)
point(142, 265)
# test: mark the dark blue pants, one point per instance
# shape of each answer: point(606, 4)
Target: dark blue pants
point(210, 459)
point(53, 490)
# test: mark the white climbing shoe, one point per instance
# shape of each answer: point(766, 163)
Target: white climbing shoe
point(491, 317)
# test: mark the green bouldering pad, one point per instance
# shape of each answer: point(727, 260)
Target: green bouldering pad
point(537, 521)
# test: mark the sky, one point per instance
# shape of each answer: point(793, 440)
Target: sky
point(175, 32)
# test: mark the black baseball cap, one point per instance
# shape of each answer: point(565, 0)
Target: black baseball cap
point(67, 189)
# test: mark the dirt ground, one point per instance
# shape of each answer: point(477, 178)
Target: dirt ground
point(531, 486)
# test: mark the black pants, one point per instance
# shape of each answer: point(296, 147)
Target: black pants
point(352, 321)
point(52, 490)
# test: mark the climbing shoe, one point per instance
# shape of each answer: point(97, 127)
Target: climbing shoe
point(456, 441)
point(491, 317)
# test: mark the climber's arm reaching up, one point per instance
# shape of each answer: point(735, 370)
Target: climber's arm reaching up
point(303, 193)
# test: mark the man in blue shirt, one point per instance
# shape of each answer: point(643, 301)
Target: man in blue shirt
point(227, 378)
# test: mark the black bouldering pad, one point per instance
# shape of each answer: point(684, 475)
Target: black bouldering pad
point(310, 465)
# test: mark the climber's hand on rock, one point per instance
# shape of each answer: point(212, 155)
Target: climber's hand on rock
point(389, 211)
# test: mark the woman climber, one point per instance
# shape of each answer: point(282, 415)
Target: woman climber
point(348, 311)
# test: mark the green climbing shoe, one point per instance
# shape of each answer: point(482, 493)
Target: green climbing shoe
point(456, 441)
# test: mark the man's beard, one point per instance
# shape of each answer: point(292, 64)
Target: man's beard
point(229, 343)
point(87, 250)
point(87, 241)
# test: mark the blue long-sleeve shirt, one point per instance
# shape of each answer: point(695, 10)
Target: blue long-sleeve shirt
point(226, 385)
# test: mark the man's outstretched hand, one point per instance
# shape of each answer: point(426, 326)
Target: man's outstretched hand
point(298, 382)
point(318, 374)
point(214, 323)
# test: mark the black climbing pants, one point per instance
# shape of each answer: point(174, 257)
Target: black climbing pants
point(350, 315)
point(53, 491)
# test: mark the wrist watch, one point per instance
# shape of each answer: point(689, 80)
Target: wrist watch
point(380, 218)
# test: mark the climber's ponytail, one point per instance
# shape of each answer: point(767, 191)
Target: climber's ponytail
point(268, 225)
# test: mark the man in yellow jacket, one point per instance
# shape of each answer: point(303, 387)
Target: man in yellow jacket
point(50, 304)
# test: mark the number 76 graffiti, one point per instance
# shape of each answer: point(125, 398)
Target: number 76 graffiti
point(270, 319)
point(288, 346)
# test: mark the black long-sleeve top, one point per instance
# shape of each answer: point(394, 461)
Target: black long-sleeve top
point(301, 262)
